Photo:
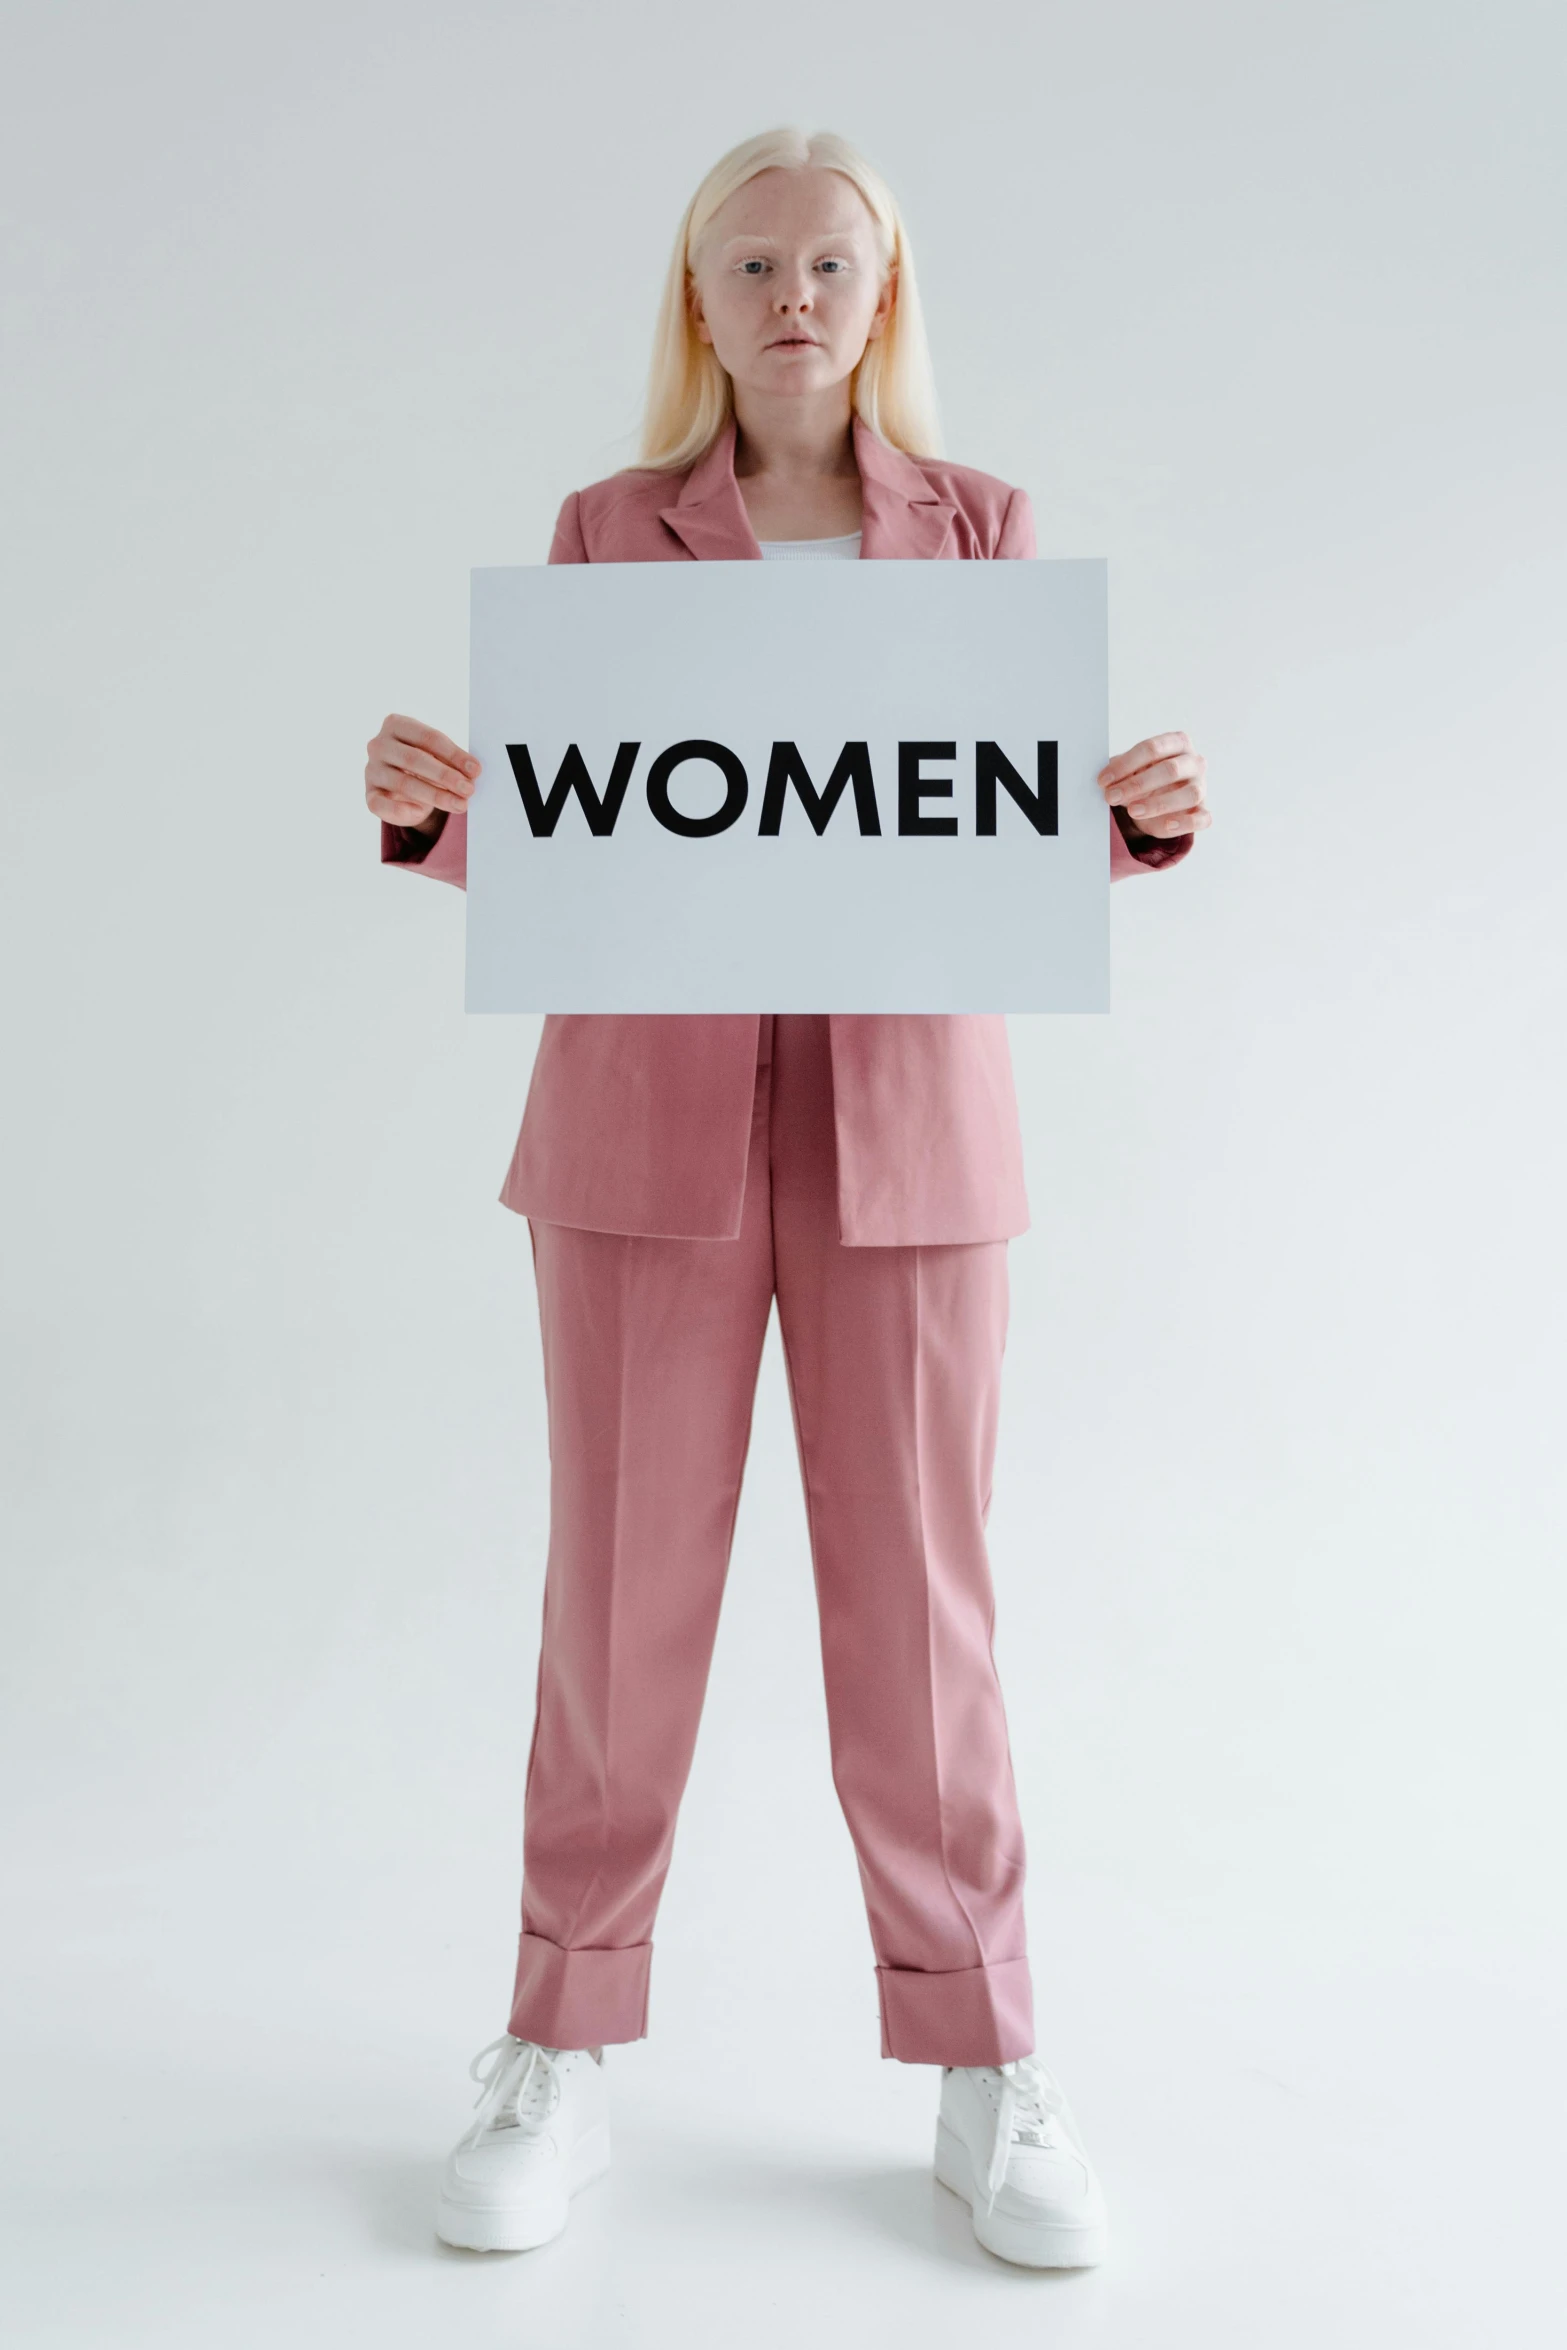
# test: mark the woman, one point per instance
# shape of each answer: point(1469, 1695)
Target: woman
point(681, 1173)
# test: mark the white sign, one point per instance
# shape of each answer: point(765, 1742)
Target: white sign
point(789, 787)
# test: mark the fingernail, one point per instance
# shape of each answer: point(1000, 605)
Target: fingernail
point(472, 766)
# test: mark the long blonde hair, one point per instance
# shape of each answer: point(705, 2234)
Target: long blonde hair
point(689, 393)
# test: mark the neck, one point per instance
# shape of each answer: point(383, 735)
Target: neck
point(795, 440)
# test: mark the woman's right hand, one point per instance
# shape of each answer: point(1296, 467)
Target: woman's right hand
point(416, 776)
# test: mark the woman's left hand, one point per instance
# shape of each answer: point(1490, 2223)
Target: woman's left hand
point(1161, 785)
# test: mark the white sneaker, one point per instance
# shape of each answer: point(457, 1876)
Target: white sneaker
point(541, 2132)
point(1006, 2141)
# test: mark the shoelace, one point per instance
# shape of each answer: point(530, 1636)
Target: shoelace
point(520, 2071)
point(1030, 2101)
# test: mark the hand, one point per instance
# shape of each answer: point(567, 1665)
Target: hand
point(1160, 783)
point(416, 776)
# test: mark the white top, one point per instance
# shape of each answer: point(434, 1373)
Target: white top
point(844, 550)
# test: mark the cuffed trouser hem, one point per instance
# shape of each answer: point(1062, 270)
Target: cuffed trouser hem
point(974, 2015)
point(579, 1998)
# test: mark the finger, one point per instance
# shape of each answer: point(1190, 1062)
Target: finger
point(429, 738)
point(1163, 803)
point(1143, 819)
point(1143, 754)
point(400, 768)
point(393, 810)
point(403, 759)
point(1176, 827)
point(402, 813)
point(413, 791)
point(1174, 769)
point(406, 759)
point(1186, 764)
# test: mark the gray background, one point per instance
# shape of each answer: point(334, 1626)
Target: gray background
point(310, 308)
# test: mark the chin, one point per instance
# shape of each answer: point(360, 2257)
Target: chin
point(804, 371)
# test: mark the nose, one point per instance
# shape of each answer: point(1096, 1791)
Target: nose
point(794, 296)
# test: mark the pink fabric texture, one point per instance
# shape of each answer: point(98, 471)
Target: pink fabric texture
point(638, 1124)
point(651, 1349)
point(679, 1174)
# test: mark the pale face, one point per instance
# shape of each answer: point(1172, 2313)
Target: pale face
point(788, 288)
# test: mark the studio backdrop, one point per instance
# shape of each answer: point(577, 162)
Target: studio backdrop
point(313, 311)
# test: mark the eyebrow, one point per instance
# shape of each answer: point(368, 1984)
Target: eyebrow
point(824, 236)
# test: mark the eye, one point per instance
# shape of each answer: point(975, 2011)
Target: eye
point(753, 268)
point(831, 261)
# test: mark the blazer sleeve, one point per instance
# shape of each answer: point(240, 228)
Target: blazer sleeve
point(443, 855)
point(568, 545)
point(438, 856)
point(1016, 535)
point(1131, 851)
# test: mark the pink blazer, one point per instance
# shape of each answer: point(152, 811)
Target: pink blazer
point(641, 1123)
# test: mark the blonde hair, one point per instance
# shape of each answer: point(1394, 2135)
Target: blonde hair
point(690, 396)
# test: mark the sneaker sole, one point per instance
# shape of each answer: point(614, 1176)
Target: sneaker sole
point(1026, 2243)
point(525, 2223)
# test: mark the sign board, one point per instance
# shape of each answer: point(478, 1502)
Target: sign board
point(789, 787)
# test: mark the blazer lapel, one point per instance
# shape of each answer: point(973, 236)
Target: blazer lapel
point(901, 514)
point(709, 516)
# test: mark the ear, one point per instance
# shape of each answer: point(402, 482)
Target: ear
point(884, 302)
point(704, 333)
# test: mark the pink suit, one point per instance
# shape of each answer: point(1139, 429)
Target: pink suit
point(678, 1174)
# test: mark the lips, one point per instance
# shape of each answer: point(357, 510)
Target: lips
point(794, 343)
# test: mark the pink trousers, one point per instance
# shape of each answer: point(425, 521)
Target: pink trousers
point(651, 1354)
